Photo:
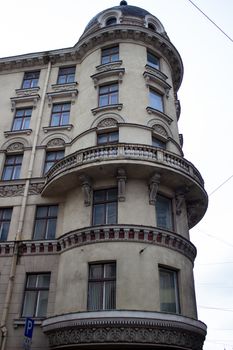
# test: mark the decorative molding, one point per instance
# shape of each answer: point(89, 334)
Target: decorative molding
point(27, 92)
point(149, 77)
point(160, 114)
point(17, 132)
point(15, 147)
point(153, 188)
point(86, 188)
point(178, 108)
point(35, 188)
point(72, 94)
point(56, 143)
point(159, 129)
point(156, 72)
point(125, 330)
point(67, 127)
point(117, 72)
point(117, 106)
point(33, 99)
point(121, 180)
point(108, 122)
point(11, 190)
point(64, 87)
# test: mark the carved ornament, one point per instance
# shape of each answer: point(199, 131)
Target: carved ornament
point(11, 190)
point(86, 188)
point(153, 188)
point(121, 179)
point(159, 129)
point(107, 122)
point(56, 143)
point(15, 147)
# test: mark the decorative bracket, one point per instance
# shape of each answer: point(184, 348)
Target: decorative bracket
point(180, 198)
point(121, 179)
point(153, 188)
point(86, 188)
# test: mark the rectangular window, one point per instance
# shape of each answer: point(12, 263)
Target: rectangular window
point(105, 207)
point(22, 119)
point(110, 54)
point(156, 100)
point(45, 222)
point(108, 95)
point(66, 75)
point(158, 143)
point(36, 295)
point(169, 297)
point(102, 286)
point(60, 114)
point(152, 60)
point(12, 167)
point(108, 137)
point(164, 212)
point(30, 79)
point(51, 158)
point(5, 219)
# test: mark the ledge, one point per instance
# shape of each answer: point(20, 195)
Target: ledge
point(64, 87)
point(21, 322)
point(118, 72)
point(28, 98)
point(108, 66)
point(27, 92)
point(72, 94)
point(117, 106)
point(134, 328)
point(149, 77)
point(160, 114)
point(56, 128)
point(156, 72)
point(17, 132)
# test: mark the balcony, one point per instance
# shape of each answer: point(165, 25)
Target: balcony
point(124, 329)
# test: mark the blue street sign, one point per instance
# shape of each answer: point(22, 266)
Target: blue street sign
point(28, 330)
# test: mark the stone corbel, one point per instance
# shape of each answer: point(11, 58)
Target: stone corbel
point(120, 77)
point(180, 197)
point(95, 80)
point(50, 100)
point(121, 180)
point(86, 189)
point(153, 188)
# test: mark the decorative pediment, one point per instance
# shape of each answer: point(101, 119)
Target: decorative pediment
point(108, 122)
point(15, 147)
point(56, 143)
point(159, 129)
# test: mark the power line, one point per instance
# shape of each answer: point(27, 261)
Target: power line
point(215, 263)
point(217, 238)
point(215, 308)
point(223, 183)
point(209, 19)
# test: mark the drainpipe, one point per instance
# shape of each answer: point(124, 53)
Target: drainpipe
point(4, 331)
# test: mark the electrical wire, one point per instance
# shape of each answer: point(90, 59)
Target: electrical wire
point(223, 183)
point(217, 238)
point(209, 19)
point(215, 308)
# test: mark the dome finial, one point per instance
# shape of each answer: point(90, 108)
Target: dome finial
point(123, 3)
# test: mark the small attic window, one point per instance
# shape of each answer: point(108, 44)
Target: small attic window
point(151, 26)
point(111, 21)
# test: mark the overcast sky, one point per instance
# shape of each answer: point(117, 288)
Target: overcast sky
point(206, 118)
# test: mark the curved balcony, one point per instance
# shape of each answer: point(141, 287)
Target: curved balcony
point(124, 329)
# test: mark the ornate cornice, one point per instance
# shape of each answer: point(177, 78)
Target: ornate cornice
point(122, 327)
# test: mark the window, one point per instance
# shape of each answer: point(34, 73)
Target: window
point(51, 158)
point(36, 295)
point(105, 207)
point(22, 119)
point(5, 219)
point(12, 167)
point(108, 95)
point(66, 75)
point(111, 21)
point(102, 286)
point(108, 137)
point(169, 299)
point(158, 143)
point(152, 60)
point(60, 114)
point(30, 80)
point(110, 54)
point(45, 222)
point(164, 212)
point(151, 26)
point(156, 100)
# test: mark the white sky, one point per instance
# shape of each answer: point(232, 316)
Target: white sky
point(206, 101)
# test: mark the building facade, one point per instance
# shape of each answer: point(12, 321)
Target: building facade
point(97, 198)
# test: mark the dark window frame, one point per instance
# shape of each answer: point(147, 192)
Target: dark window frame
point(108, 135)
point(15, 167)
point(37, 290)
point(5, 220)
point(59, 154)
point(101, 280)
point(24, 118)
point(60, 114)
point(46, 221)
point(110, 54)
point(104, 202)
point(175, 276)
point(110, 94)
point(66, 75)
point(32, 81)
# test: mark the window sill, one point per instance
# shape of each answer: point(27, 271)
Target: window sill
point(17, 132)
point(117, 106)
point(27, 92)
point(109, 66)
point(64, 87)
point(160, 114)
point(67, 127)
point(21, 321)
point(32, 99)
point(156, 72)
point(118, 72)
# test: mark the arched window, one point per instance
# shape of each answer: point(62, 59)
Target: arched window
point(151, 26)
point(111, 21)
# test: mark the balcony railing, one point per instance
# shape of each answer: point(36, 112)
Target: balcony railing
point(123, 152)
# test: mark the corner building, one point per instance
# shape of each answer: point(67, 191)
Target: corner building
point(97, 198)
